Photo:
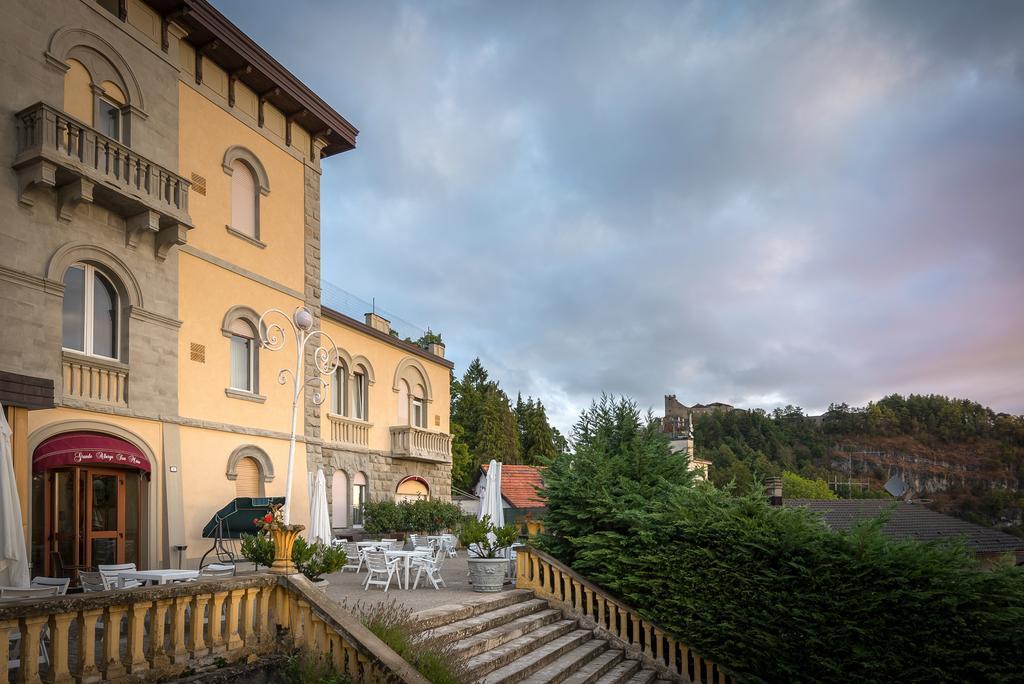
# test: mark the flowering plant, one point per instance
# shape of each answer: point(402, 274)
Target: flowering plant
point(274, 520)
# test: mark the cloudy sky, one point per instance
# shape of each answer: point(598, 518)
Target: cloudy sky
point(757, 203)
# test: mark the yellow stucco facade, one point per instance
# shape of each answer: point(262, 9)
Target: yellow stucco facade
point(229, 230)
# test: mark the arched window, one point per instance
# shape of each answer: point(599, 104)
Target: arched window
point(361, 392)
point(339, 390)
point(245, 215)
point(92, 314)
point(403, 402)
point(412, 489)
point(243, 356)
point(249, 480)
point(359, 485)
point(339, 499)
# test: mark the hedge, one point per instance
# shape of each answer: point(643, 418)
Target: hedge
point(430, 516)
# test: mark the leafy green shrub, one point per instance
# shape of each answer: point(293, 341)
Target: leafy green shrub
point(434, 658)
point(317, 559)
point(475, 536)
point(770, 592)
point(430, 516)
point(258, 549)
point(796, 487)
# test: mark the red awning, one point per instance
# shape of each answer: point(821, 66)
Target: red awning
point(88, 449)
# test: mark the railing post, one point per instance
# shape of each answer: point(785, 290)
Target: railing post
point(87, 671)
point(136, 634)
point(265, 629)
point(250, 620)
point(197, 641)
point(31, 634)
point(234, 641)
point(112, 666)
point(60, 632)
point(179, 650)
point(157, 656)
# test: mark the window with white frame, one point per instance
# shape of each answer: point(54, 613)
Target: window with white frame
point(339, 390)
point(358, 498)
point(243, 356)
point(91, 315)
point(109, 118)
point(359, 395)
point(245, 217)
point(418, 412)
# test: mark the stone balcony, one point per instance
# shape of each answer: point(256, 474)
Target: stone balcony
point(417, 444)
point(94, 379)
point(348, 432)
point(83, 165)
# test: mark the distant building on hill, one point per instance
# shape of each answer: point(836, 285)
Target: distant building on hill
point(678, 425)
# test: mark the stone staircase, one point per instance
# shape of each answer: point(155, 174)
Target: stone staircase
point(515, 637)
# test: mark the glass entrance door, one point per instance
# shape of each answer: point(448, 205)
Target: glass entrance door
point(104, 519)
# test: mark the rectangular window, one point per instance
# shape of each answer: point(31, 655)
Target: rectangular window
point(241, 363)
point(338, 391)
point(358, 499)
point(419, 417)
point(359, 400)
point(110, 119)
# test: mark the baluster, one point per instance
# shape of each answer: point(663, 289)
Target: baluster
point(304, 617)
point(31, 634)
point(157, 655)
point(197, 641)
point(179, 648)
point(721, 675)
point(352, 663)
point(136, 633)
point(250, 620)
point(656, 638)
point(234, 641)
point(684, 660)
point(265, 628)
point(600, 610)
point(216, 642)
point(672, 664)
point(337, 653)
point(7, 627)
point(87, 671)
point(112, 667)
point(698, 669)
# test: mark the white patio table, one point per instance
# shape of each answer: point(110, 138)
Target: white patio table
point(157, 576)
point(407, 557)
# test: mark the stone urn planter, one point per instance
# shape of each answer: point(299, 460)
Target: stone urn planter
point(284, 537)
point(487, 574)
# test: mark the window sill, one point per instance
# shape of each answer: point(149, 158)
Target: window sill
point(248, 238)
point(245, 396)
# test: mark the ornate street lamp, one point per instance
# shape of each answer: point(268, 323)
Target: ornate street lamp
point(273, 334)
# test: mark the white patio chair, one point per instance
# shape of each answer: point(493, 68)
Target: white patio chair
point(14, 637)
point(391, 543)
point(450, 541)
point(414, 540)
point(432, 566)
point(378, 565)
point(92, 581)
point(62, 583)
point(110, 578)
point(216, 571)
point(353, 558)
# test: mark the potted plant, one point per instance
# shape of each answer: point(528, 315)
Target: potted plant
point(258, 549)
point(316, 559)
point(485, 542)
point(284, 537)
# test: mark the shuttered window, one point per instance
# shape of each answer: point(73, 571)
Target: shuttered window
point(249, 482)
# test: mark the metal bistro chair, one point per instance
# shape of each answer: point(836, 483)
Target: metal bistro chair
point(432, 566)
point(378, 565)
point(111, 580)
point(14, 637)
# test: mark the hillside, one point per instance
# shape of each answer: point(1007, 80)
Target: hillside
point(962, 457)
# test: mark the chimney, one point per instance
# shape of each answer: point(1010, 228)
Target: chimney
point(378, 323)
point(773, 485)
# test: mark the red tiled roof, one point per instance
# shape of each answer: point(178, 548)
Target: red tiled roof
point(519, 485)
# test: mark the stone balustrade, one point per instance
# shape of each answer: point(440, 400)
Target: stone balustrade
point(554, 581)
point(93, 379)
point(160, 633)
point(418, 444)
point(83, 165)
point(349, 432)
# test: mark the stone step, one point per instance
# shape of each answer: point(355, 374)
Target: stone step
point(466, 627)
point(446, 614)
point(620, 673)
point(500, 669)
point(643, 677)
point(596, 668)
point(476, 644)
point(573, 662)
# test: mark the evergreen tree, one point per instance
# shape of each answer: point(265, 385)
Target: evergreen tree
point(540, 442)
point(481, 408)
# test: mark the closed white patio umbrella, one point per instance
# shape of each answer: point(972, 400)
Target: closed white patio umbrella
point(490, 500)
point(13, 554)
point(319, 515)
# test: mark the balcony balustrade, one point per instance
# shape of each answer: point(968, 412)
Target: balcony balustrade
point(417, 444)
point(83, 165)
point(348, 432)
point(89, 378)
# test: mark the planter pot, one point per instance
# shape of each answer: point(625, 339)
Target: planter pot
point(487, 574)
point(284, 540)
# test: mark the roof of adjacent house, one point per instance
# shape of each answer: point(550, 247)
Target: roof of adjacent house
point(911, 521)
point(519, 485)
